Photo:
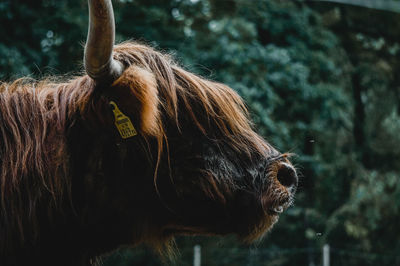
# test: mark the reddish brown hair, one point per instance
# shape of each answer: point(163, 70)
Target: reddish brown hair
point(222, 105)
point(36, 116)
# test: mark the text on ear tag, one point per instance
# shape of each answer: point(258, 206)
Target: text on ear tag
point(123, 123)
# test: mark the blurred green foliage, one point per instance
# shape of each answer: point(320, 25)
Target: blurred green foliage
point(321, 80)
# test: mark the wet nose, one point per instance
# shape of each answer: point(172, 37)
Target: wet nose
point(287, 175)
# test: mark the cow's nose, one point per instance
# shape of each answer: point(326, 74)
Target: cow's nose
point(287, 175)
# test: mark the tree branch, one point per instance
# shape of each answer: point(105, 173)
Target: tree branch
point(388, 5)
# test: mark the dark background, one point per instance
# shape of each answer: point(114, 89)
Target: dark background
point(322, 80)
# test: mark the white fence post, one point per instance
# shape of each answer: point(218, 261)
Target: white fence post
point(326, 255)
point(197, 255)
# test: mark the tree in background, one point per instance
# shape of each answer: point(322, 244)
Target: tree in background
point(367, 221)
point(320, 81)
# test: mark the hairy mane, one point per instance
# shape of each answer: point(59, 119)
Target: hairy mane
point(225, 112)
point(35, 117)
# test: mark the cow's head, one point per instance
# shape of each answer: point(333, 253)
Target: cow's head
point(196, 166)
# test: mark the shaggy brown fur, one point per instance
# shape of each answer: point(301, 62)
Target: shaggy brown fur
point(218, 101)
point(34, 118)
point(40, 127)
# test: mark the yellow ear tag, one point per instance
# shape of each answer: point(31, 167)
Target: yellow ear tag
point(123, 123)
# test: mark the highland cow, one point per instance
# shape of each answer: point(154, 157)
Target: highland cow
point(136, 151)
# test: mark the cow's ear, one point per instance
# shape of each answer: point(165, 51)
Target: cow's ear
point(135, 91)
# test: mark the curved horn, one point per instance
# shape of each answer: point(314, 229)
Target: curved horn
point(99, 63)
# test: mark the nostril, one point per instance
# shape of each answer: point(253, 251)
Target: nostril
point(287, 175)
